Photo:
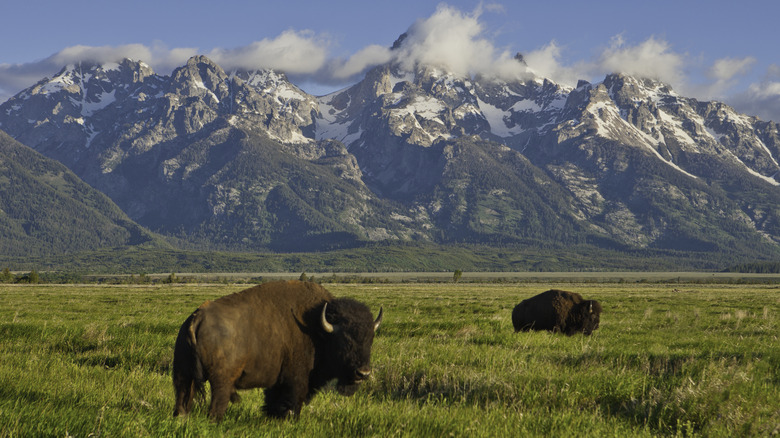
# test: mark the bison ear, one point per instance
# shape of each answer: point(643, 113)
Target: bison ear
point(328, 327)
point(378, 320)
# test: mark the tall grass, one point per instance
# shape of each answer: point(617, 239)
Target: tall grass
point(668, 360)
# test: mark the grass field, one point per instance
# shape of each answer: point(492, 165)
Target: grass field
point(668, 360)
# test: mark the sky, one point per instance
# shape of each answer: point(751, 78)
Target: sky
point(706, 49)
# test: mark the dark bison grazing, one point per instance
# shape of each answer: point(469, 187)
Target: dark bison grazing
point(557, 311)
point(290, 337)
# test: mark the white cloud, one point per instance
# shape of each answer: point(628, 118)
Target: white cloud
point(454, 40)
point(449, 38)
point(103, 54)
point(652, 58)
point(296, 53)
point(292, 52)
point(724, 74)
point(356, 64)
point(761, 98)
point(165, 60)
point(546, 62)
point(726, 69)
point(16, 77)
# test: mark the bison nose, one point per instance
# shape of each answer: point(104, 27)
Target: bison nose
point(362, 374)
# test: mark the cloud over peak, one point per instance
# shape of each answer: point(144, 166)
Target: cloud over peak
point(293, 52)
point(653, 58)
point(450, 39)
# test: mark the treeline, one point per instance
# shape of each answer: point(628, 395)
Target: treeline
point(379, 258)
point(36, 277)
point(56, 277)
point(756, 268)
point(32, 277)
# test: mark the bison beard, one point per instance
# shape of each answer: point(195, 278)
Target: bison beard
point(557, 311)
point(289, 337)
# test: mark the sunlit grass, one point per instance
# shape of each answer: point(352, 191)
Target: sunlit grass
point(687, 360)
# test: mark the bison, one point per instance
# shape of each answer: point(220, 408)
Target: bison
point(289, 337)
point(557, 311)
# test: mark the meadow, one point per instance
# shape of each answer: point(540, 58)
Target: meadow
point(668, 360)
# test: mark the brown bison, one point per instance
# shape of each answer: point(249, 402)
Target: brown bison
point(557, 311)
point(290, 337)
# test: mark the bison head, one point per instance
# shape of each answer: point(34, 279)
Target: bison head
point(349, 329)
point(589, 315)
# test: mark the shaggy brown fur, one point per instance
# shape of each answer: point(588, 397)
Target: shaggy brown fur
point(557, 311)
point(272, 336)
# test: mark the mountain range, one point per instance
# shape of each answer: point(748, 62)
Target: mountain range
point(247, 161)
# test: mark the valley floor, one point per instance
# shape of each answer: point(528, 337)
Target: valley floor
point(670, 359)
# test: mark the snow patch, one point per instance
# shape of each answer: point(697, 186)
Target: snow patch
point(103, 100)
point(295, 137)
point(607, 115)
point(713, 134)
point(466, 110)
point(763, 146)
point(91, 134)
point(675, 126)
point(274, 84)
point(331, 124)
point(58, 83)
point(425, 107)
point(768, 179)
point(525, 105)
point(497, 119)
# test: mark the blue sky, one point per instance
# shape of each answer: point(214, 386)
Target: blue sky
point(721, 50)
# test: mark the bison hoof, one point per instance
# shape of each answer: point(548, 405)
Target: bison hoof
point(347, 389)
point(282, 412)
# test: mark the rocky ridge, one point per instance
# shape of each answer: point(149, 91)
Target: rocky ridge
point(246, 160)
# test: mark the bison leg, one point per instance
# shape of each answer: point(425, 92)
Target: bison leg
point(560, 324)
point(221, 393)
point(282, 401)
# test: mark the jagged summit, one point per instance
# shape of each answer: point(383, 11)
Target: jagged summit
point(399, 41)
point(245, 159)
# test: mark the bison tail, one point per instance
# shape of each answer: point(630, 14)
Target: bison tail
point(199, 377)
point(188, 374)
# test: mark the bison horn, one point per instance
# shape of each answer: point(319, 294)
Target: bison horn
point(378, 320)
point(325, 324)
point(590, 308)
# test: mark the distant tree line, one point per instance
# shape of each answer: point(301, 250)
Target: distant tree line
point(33, 277)
point(6, 276)
point(756, 268)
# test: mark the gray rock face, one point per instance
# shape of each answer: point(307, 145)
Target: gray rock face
point(247, 160)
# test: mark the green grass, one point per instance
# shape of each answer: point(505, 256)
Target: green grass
point(668, 360)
